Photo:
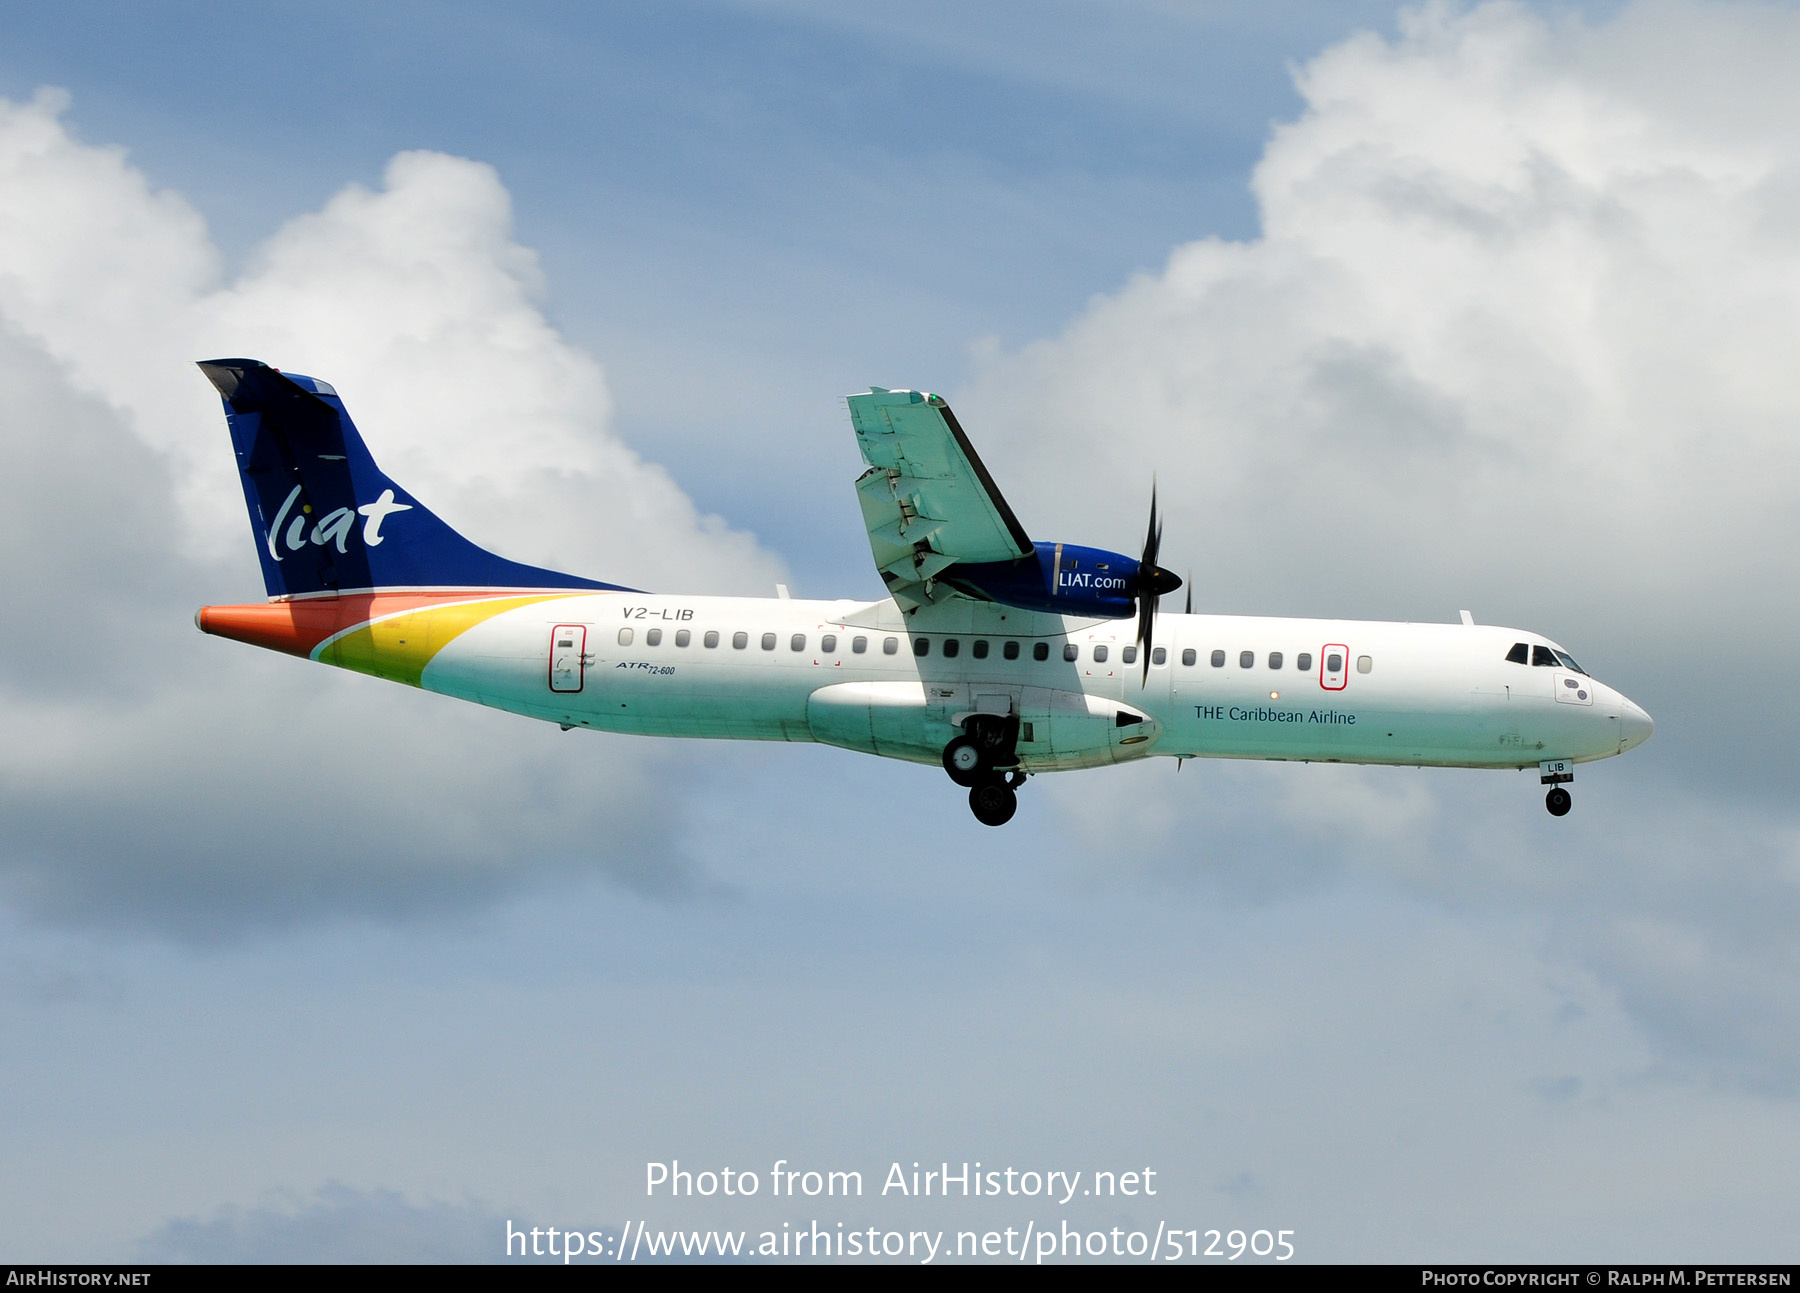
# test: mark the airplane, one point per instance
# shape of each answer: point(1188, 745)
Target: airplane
point(994, 655)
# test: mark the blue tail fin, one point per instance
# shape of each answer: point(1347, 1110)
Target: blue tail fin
point(327, 520)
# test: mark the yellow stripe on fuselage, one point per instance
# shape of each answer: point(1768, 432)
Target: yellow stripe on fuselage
point(398, 647)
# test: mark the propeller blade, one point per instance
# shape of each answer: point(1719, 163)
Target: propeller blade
point(1190, 592)
point(1153, 535)
point(1150, 584)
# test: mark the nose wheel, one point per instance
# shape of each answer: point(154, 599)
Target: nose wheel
point(1555, 773)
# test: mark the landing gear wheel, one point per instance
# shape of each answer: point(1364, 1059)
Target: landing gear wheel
point(965, 761)
point(1558, 801)
point(993, 803)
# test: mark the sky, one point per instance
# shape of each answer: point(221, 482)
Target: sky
point(1405, 310)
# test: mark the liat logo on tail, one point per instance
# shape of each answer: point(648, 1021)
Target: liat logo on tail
point(308, 479)
point(334, 526)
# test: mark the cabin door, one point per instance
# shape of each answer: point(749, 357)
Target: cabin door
point(568, 653)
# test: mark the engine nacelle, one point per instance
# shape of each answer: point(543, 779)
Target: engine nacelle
point(1060, 578)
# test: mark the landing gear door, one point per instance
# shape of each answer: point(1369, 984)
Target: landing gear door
point(1334, 666)
point(568, 657)
point(945, 697)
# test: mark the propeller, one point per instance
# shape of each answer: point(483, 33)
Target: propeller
point(1152, 582)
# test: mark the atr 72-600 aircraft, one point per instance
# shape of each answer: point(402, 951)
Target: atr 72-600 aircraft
point(995, 655)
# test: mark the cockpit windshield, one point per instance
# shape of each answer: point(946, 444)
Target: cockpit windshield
point(1540, 655)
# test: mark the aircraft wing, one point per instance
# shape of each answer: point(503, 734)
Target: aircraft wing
point(926, 499)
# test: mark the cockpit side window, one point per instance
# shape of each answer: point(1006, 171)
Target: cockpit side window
point(1520, 653)
point(1568, 662)
point(1543, 655)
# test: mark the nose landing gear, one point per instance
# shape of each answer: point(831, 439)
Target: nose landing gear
point(1553, 773)
point(985, 760)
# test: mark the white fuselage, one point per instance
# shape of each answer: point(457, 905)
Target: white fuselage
point(1347, 691)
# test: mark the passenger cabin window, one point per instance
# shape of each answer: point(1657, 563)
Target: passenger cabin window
point(889, 646)
point(653, 638)
point(979, 648)
point(1246, 659)
point(1040, 650)
point(1303, 662)
point(624, 637)
point(1010, 650)
point(1334, 663)
point(711, 639)
point(1218, 659)
point(828, 643)
point(797, 642)
point(859, 644)
point(1071, 652)
point(1543, 655)
point(1364, 664)
point(1128, 654)
point(768, 641)
point(1100, 654)
point(921, 646)
point(739, 641)
point(1274, 659)
point(565, 642)
point(951, 647)
point(1159, 655)
point(1520, 653)
point(1189, 655)
point(683, 637)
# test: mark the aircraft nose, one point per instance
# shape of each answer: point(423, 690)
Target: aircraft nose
point(1635, 726)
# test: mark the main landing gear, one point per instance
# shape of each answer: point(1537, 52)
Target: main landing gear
point(1554, 773)
point(985, 759)
point(996, 799)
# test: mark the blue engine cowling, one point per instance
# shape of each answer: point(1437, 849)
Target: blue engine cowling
point(1060, 578)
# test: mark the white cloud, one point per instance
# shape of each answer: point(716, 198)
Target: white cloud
point(1518, 325)
point(413, 301)
point(1513, 335)
point(154, 776)
point(1518, 335)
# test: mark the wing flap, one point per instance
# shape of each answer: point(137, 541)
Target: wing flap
point(927, 500)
